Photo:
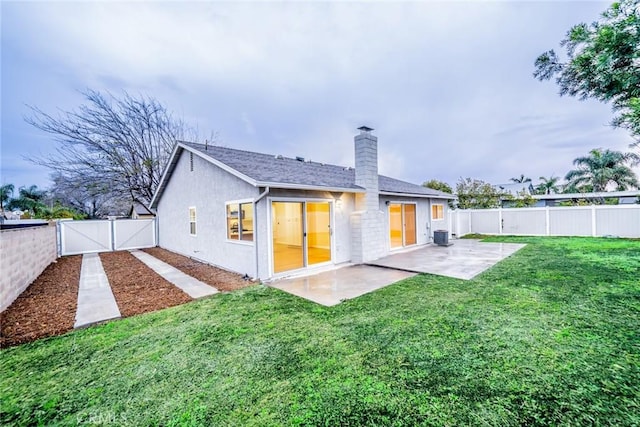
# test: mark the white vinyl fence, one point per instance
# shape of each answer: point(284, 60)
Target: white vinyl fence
point(595, 220)
point(81, 237)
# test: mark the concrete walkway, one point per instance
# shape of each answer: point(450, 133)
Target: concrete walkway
point(95, 299)
point(191, 286)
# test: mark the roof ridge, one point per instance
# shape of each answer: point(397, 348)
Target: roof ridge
point(276, 156)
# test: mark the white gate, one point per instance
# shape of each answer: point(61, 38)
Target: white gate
point(81, 237)
point(133, 234)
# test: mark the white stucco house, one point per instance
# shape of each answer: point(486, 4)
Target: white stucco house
point(268, 216)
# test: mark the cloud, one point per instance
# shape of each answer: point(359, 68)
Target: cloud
point(448, 86)
point(248, 125)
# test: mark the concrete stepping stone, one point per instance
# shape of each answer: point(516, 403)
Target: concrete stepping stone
point(191, 286)
point(96, 302)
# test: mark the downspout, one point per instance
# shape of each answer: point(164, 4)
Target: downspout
point(255, 226)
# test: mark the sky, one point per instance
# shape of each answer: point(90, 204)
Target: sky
point(447, 86)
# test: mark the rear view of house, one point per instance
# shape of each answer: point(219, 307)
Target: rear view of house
point(268, 215)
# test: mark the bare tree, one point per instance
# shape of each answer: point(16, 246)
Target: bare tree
point(90, 198)
point(116, 145)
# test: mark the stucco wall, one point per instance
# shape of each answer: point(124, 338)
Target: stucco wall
point(343, 205)
point(441, 224)
point(207, 188)
point(424, 224)
point(24, 254)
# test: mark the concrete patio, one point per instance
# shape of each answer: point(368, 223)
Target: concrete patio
point(465, 259)
point(331, 287)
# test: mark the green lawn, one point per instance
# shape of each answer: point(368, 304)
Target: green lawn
point(549, 336)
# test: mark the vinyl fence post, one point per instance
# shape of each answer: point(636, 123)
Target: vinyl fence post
point(546, 219)
point(500, 219)
point(113, 234)
point(156, 231)
point(593, 221)
point(58, 239)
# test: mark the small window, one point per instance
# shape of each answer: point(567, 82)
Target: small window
point(437, 212)
point(192, 221)
point(191, 161)
point(240, 221)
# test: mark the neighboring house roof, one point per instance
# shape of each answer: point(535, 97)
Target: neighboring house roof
point(602, 194)
point(140, 209)
point(268, 170)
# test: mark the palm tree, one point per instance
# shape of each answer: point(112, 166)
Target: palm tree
point(547, 185)
point(602, 168)
point(29, 199)
point(520, 180)
point(6, 191)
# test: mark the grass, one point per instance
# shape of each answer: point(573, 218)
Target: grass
point(549, 336)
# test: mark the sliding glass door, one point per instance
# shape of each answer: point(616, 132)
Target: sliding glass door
point(288, 236)
point(402, 225)
point(395, 225)
point(409, 211)
point(318, 232)
point(301, 234)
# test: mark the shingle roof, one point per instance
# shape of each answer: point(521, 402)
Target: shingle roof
point(271, 170)
point(268, 168)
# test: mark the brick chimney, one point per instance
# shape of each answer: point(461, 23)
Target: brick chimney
point(367, 221)
point(366, 156)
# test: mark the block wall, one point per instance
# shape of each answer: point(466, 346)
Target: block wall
point(24, 254)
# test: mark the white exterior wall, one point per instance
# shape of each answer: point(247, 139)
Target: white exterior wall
point(444, 223)
point(368, 235)
point(343, 206)
point(358, 235)
point(207, 189)
point(424, 223)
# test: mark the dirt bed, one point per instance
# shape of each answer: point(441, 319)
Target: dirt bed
point(47, 307)
point(136, 287)
point(220, 279)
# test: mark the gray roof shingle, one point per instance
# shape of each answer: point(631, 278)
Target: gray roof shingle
point(268, 168)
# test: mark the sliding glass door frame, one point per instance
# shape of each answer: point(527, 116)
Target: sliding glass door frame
point(305, 232)
point(403, 216)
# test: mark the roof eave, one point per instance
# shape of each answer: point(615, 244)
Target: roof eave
point(294, 186)
point(173, 159)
